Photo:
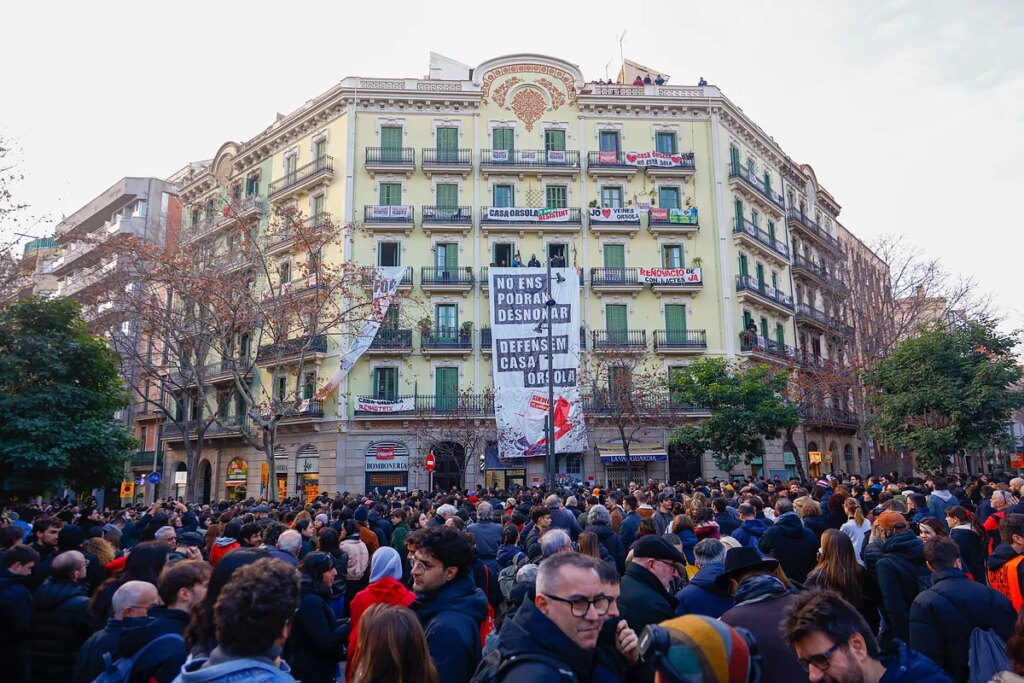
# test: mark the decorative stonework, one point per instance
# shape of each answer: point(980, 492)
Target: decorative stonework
point(436, 86)
point(559, 75)
point(502, 90)
point(381, 85)
point(529, 105)
point(557, 98)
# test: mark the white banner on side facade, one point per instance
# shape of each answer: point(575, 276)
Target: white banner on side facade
point(661, 159)
point(365, 404)
point(623, 215)
point(670, 276)
point(520, 368)
point(520, 214)
point(385, 283)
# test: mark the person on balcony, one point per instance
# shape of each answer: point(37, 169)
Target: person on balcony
point(534, 263)
point(638, 80)
point(517, 261)
point(647, 79)
point(702, 81)
point(660, 80)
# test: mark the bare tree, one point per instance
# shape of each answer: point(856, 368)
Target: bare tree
point(455, 428)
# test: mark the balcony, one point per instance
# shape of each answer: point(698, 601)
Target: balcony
point(86, 281)
point(679, 165)
point(754, 189)
point(485, 280)
point(406, 283)
point(144, 460)
point(680, 341)
point(805, 267)
point(241, 209)
point(391, 342)
point(839, 326)
point(672, 221)
point(522, 219)
point(751, 289)
point(768, 349)
point(808, 226)
point(303, 179)
point(662, 403)
point(390, 160)
point(601, 164)
point(446, 161)
point(285, 237)
point(672, 280)
point(753, 236)
point(825, 416)
point(312, 349)
point(808, 315)
point(613, 221)
point(227, 426)
point(308, 409)
point(446, 341)
point(383, 218)
point(442, 279)
point(537, 162)
point(447, 219)
point(203, 227)
point(615, 280)
point(625, 341)
point(425, 405)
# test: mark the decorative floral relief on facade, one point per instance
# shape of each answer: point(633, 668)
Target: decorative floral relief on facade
point(558, 74)
point(557, 98)
point(529, 105)
point(501, 92)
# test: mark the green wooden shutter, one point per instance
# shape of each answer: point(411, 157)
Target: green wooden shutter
point(390, 194)
point(447, 195)
point(746, 319)
point(391, 137)
point(555, 196)
point(734, 159)
point(675, 323)
point(738, 207)
point(771, 232)
point(614, 256)
point(764, 327)
point(554, 140)
point(451, 255)
point(780, 334)
point(446, 388)
point(759, 269)
point(615, 317)
point(448, 138)
point(503, 138)
point(743, 265)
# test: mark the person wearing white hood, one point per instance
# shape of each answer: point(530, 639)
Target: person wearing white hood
point(385, 586)
point(941, 498)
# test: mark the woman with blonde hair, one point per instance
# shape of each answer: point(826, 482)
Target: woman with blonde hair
point(856, 527)
point(392, 648)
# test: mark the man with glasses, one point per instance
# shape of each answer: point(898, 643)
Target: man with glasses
point(834, 643)
point(571, 631)
point(646, 595)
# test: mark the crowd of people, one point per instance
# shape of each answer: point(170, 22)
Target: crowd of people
point(846, 578)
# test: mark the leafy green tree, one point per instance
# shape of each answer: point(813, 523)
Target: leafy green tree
point(747, 406)
point(59, 390)
point(946, 390)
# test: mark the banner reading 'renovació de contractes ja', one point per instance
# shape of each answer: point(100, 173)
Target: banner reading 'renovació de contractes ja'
point(386, 281)
point(520, 366)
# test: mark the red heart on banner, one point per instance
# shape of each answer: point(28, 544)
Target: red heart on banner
point(606, 212)
point(677, 159)
point(630, 158)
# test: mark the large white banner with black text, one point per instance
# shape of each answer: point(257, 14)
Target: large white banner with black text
point(519, 318)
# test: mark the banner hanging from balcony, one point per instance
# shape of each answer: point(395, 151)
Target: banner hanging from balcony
point(609, 215)
point(681, 216)
point(519, 319)
point(520, 214)
point(669, 276)
point(659, 159)
point(385, 283)
point(384, 212)
point(365, 404)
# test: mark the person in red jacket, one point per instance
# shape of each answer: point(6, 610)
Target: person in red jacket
point(385, 586)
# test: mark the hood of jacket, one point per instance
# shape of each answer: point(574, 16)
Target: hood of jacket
point(224, 541)
point(390, 591)
point(943, 495)
point(218, 668)
point(906, 665)
point(754, 527)
point(791, 525)
point(137, 631)
point(460, 595)
point(705, 580)
point(530, 631)
point(1002, 554)
point(55, 591)
point(759, 587)
point(906, 545)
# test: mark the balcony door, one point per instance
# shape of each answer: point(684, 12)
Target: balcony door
point(556, 196)
point(503, 252)
point(672, 256)
point(385, 383)
point(447, 145)
point(447, 260)
point(504, 138)
point(504, 195)
point(759, 270)
point(389, 254)
point(446, 388)
point(391, 143)
point(615, 262)
point(615, 322)
point(390, 194)
point(447, 322)
point(609, 140)
point(668, 197)
point(675, 323)
point(447, 196)
point(665, 143)
point(611, 197)
point(554, 140)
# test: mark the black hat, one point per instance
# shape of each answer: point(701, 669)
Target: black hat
point(191, 538)
point(657, 548)
point(742, 559)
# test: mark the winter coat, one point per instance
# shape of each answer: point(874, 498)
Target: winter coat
point(972, 552)
point(905, 665)
point(532, 544)
point(857, 534)
point(942, 618)
point(763, 618)
point(630, 525)
point(793, 545)
point(709, 530)
point(505, 555)
point(164, 663)
point(661, 521)
point(385, 590)
point(222, 545)
point(611, 542)
point(15, 619)
point(817, 524)
point(487, 536)
point(89, 663)
point(701, 596)
point(451, 618)
point(369, 538)
point(398, 539)
point(939, 501)
point(60, 626)
point(727, 523)
point(278, 554)
point(643, 599)
point(563, 519)
point(689, 540)
point(358, 558)
point(898, 572)
point(222, 668)
point(314, 646)
point(750, 532)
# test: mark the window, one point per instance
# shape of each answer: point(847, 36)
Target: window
point(611, 197)
point(390, 194)
point(317, 205)
point(748, 320)
point(751, 167)
point(675, 318)
point(447, 320)
point(764, 327)
point(320, 148)
point(620, 381)
point(502, 255)
point(767, 182)
point(554, 140)
point(285, 269)
point(308, 385)
point(447, 256)
point(447, 144)
point(615, 320)
point(446, 388)
point(389, 254)
point(556, 253)
point(447, 195)
point(139, 210)
point(385, 383)
point(744, 269)
point(780, 334)
point(668, 197)
point(615, 256)
point(759, 270)
point(504, 195)
point(665, 143)
point(734, 159)
point(672, 256)
point(775, 279)
point(236, 191)
point(556, 196)
point(391, 143)
point(252, 185)
point(738, 209)
point(503, 138)
point(572, 464)
point(771, 231)
point(143, 438)
point(609, 140)
point(755, 218)
point(291, 162)
point(390, 321)
point(197, 216)
point(243, 347)
point(281, 390)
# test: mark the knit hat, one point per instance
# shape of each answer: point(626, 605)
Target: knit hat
point(361, 514)
point(891, 520)
point(705, 650)
point(70, 537)
point(322, 518)
point(385, 562)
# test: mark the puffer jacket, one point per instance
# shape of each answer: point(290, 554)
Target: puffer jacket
point(702, 596)
point(750, 532)
point(451, 618)
point(314, 646)
point(358, 558)
point(793, 545)
point(60, 626)
point(611, 542)
point(900, 572)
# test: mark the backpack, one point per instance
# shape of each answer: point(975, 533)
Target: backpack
point(120, 671)
point(986, 656)
point(493, 668)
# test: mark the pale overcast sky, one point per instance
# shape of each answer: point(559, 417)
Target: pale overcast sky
point(911, 112)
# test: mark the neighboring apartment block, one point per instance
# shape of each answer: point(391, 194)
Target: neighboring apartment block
point(521, 159)
point(32, 274)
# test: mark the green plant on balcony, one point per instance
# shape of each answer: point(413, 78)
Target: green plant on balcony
point(592, 204)
point(426, 325)
point(698, 261)
point(466, 329)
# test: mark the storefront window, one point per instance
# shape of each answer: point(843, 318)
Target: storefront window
point(235, 481)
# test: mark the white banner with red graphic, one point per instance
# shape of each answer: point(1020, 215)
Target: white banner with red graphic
point(660, 159)
point(365, 404)
point(670, 276)
point(519, 214)
point(380, 212)
point(608, 215)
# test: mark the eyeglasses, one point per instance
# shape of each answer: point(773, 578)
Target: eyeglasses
point(820, 661)
point(580, 606)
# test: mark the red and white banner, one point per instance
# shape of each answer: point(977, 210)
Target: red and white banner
point(501, 155)
point(670, 276)
point(626, 215)
point(528, 156)
point(556, 156)
point(660, 159)
point(526, 214)
point(607, 157)
point(390, 212)
point(365, 404)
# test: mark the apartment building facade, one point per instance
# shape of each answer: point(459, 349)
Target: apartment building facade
point(32, 273)
point(522, 160)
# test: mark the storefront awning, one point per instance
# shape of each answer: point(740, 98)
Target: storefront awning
point(638, 452)
point(233, 484)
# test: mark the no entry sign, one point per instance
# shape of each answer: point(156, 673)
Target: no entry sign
point(430, 462)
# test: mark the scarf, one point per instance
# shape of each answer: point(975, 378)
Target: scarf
point(758, 588)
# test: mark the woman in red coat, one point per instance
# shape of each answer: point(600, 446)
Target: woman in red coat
point(385, 586)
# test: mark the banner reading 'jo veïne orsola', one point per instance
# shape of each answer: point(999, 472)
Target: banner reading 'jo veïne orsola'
point(520, 346)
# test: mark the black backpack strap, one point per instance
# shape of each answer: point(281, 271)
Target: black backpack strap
point(564, 670)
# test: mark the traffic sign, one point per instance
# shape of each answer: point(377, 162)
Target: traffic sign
point(127, 489)
point(430, 462)
point(154, 477)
